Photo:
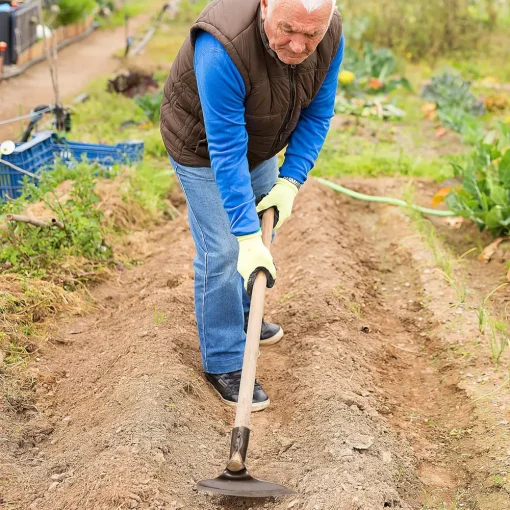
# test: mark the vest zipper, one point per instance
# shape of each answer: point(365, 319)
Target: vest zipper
point(292, 70)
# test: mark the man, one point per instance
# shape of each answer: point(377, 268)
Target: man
point(253, 77)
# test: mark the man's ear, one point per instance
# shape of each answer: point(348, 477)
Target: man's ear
point(263, 9)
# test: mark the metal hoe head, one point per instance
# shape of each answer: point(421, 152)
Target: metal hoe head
point(242, 484)
point(235, 480)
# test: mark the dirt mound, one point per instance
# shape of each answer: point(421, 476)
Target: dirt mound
point(127, 421)
point(369, 387)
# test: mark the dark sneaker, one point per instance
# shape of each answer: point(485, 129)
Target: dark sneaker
point(227, 387)
point(270, 333)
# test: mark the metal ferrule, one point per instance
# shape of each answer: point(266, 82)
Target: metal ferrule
point(239, 442)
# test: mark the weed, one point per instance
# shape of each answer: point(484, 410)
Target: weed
point(459, 433)
point(499, 337)
point(159, 317)
point(498, 481)
point(398, 476)
point(148, 185)
point(414, 417)
point(482, 311)
point(287, 297)
point(43, 251)
point(27, 306)
point(443, 256)
point(458, 287)
point(498, 331)
point(432, 502)
point(355, 308)
point(16, 354)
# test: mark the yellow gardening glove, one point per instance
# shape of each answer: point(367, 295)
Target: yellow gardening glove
point(254, 256)
point(282, 197)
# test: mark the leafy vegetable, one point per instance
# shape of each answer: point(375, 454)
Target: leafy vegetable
point(372, 70)
point(450, 92)
point(150, 104)
point(485, 194)
point(378, 107)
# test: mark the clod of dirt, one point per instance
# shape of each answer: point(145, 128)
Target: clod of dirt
point(131, 83)
point(53, 486)
point(360, 441)
point(58, 477)
point(173, 281)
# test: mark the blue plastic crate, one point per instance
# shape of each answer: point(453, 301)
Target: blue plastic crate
point(105, 155)
point(42, 152)
point(34, 156)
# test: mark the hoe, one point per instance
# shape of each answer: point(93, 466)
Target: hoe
point(235, 480)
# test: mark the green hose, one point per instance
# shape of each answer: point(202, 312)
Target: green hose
point(383, 200)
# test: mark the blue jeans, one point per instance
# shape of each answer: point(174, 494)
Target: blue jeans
point(220, 298)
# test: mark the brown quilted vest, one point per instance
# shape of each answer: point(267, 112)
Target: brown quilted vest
point(275, 92)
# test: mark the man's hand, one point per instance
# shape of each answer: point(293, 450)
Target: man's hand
point(282, 197)
point(254, 256)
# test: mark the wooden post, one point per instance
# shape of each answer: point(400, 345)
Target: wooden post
point(3, 49)
point(49, 54)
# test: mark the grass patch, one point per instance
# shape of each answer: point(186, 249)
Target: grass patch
point(28, 309)
point(131, 9)
point(444, 257)
point(76, 246)
point(345, 153)
point(148, 186)
point(93, 123)
point(44, 270)
point(123, 120)
point(165, 45)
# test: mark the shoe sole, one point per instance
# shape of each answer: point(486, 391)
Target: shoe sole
point(254, 407)
point(274, 339)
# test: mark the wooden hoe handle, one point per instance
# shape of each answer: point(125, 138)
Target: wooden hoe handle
point(251, 350)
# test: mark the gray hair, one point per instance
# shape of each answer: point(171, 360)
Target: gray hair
point(309, 5)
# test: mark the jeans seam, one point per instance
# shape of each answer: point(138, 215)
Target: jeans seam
point(206, 252)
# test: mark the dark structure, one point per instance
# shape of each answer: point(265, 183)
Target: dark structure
point(18, 28)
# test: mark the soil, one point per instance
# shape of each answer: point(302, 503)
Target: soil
point(371, 405)
point(77, 64)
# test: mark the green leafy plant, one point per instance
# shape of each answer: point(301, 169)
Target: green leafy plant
point(154, 145)
point(72, 11)
point(455, 104)
point(372, 71)
point(150, 104)
point(484, 196)
point(46, 251)
point(378, 107)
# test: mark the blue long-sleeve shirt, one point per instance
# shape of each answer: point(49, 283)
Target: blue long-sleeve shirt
point(222, 94)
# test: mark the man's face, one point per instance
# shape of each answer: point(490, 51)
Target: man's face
point(293, 33)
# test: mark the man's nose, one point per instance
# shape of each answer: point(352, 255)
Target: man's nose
point(297, 45)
